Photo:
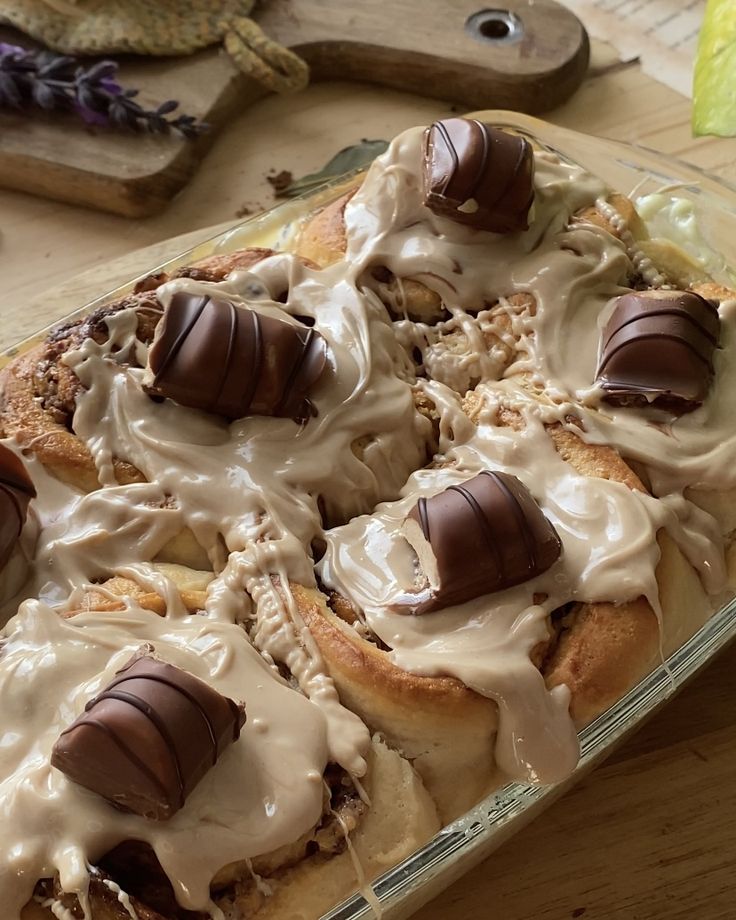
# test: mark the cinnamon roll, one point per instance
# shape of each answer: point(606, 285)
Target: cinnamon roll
point(331, 827)
point(442, 679)
point(329, 543)
point(38, 390)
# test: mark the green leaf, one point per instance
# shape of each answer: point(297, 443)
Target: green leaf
point(714, 84)
point(346, 160)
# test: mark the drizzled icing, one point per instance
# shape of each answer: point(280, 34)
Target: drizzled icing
point(695, 450)
point(461, 351)
point(573, 272)
point(388, 224)
point(641, 262)
point(486, 642)
point(252, 494)
point(122, 897)
point(262, 794)
point(256, 494)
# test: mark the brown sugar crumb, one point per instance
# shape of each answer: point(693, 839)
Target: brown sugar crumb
point(245, 210)
point(280, 181)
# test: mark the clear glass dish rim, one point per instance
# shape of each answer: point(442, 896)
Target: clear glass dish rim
point(492, 820)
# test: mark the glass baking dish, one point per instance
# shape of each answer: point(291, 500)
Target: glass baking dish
point(632, 170)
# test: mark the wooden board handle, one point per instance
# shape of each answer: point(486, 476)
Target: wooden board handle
point(528, 55)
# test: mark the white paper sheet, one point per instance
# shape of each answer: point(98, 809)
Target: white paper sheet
point(662, 33)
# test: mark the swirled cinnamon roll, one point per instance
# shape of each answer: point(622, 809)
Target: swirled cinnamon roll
point(38, 391)
point(282, 830)
point(456, 651)
point(464, 284)
point(326, 543)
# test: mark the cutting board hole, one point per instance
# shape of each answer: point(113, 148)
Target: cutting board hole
point(496, 26)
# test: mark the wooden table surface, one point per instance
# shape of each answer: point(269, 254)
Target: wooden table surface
point(650, 835)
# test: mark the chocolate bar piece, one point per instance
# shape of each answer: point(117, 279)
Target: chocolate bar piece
point(485, 535)
point(16, 492)
point(478, 175)
point(657, 348)
point(212, 355)
point(147, 740)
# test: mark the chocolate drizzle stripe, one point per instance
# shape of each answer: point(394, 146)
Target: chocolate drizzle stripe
point(160, 679)
point(125, 749)
point(180, 339)
point(518, 512)
point(656, 336)
point(666, 311)
point(424, 518)
point(453, 153)
point(256, 357)
point(508, 188)
point(123, 696)
point(294, 373)
point(484, 157)
point(517, 169)
point(482, 520)
point(232, 335)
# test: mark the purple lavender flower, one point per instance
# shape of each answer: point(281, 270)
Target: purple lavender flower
point(110, 86)
point(50, 81)
point(7, 50)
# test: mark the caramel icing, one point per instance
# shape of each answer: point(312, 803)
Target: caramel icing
point(573, 272)
point(122, 897)
point(256, 494)
point(259, 798)
point(608, 533)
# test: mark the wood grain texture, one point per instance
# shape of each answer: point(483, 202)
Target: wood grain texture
point(426, 48)
point(416, 45)
point(59, 157)
point(648, 836)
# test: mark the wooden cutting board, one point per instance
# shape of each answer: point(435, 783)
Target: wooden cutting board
point(528, 55)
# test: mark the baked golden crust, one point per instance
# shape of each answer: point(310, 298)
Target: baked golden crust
point(305, 877)
point(445, 729)
point(599, 651)
point(712, 289)
point(434, 739)
point(625, 208)
point(211, 268)
point(302, 881)
point(38, 390)
point(601, 654)
point(322, 239)
point(604, 650)
point(191, 585)
point(23, 416)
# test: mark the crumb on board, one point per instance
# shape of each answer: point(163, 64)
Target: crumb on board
point(280, 180)
point(245, 210)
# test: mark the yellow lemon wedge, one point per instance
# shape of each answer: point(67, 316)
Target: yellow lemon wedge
point(714, 84)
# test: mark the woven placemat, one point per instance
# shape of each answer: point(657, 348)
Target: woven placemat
point(159, 27)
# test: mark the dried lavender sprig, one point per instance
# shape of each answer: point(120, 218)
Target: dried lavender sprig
point(51, 81)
